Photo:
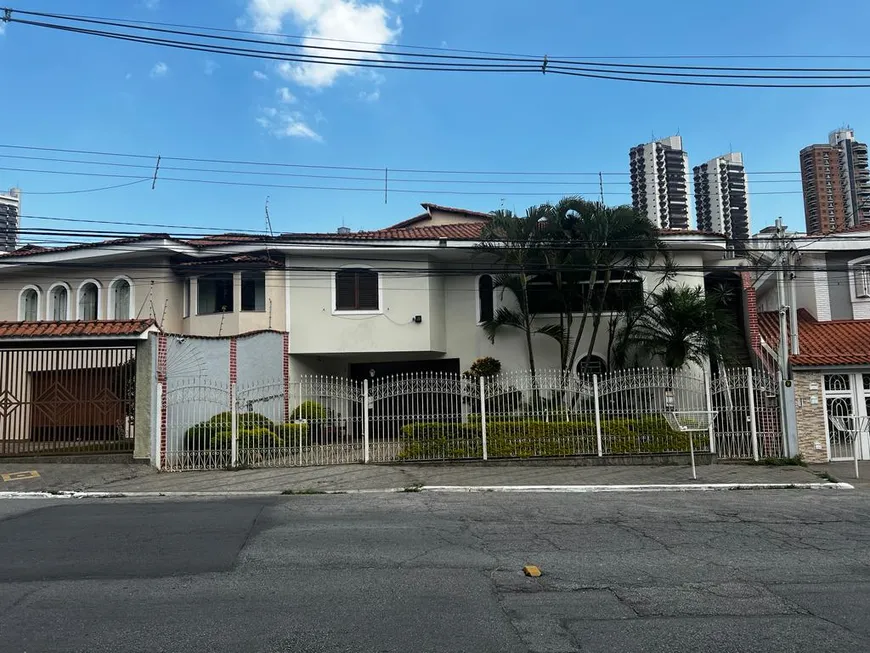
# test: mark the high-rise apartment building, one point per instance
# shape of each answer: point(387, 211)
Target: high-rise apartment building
point(10, 215)
point(660, 182)
point(721, 196)
point(836, 183)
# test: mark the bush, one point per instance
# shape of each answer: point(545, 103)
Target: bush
point(254, 431)
point(291, 433)
point(528, 438)
point(486, 366)
point(311, 410)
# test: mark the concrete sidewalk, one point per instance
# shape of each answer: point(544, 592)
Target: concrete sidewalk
point(140, 478)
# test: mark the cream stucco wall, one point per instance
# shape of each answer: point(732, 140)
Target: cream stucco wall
point(316, 328)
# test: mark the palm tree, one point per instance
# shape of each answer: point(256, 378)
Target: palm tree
point(516, 242)
point(604, 243)
point(684, 325)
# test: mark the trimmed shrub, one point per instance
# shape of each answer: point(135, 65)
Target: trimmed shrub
point(530, 438)
point(440, 440)
point(291, 433)
point(311, 410)
point(486, 366)
point(216, 432)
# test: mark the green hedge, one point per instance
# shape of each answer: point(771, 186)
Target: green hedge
point(255, 431)
point(528, 438)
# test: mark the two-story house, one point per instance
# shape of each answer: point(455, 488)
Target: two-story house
point(407, 297)
point(827, 296)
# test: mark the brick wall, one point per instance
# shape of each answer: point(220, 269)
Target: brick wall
point(751, 310)
point(810, 416)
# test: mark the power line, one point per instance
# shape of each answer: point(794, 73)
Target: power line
point(698, 75)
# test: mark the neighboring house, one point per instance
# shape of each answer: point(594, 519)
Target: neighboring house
point(410, 297)
point(831, 372)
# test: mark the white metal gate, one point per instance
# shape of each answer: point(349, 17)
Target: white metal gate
point(747, 422)
point(845, 394)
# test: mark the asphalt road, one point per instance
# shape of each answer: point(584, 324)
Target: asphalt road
point(747, 572)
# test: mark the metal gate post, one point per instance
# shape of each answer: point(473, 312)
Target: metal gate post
point(753, 426)
point(708, 396)
point(365, 420)
point(597, 415)
point(234, 426)
point(157, 429)
point(483, 416)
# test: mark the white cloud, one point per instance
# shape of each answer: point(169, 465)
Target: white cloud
point(285, 96)
point(128, 76)
point(350, 20)
point(418, 7)
point(286, 124)
point(151, 4)
point(160, 69)
point(2, 29)
point(372, 96)
point(210, 66)
point(261, 76)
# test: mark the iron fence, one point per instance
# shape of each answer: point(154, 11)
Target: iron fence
point(323, 420)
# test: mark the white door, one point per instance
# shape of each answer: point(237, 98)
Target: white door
point(847, 394)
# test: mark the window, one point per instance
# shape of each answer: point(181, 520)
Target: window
point(28, 308)
point(215, 294)
point(88, 301)
point(58, 303)
point(253, 291)
point(121, 299)
point(591, 365)
point(623, 291)
point(186, 298)
point(485, 304)
point(862, 281)
point(356, 289)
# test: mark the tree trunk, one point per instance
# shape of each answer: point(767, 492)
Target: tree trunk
point(586, 306)
point(596, 319)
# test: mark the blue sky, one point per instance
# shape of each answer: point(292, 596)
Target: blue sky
point(84, 93)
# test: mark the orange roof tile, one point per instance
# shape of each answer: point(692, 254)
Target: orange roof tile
point(836, 342)
point(79, 329)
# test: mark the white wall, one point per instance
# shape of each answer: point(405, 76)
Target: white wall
point(315, 328)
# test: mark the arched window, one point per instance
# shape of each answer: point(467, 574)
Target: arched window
point(120, 299)
point(58, 303)
point(591, 365)
point(89, 301)
point(485, 304)
point(28, 304)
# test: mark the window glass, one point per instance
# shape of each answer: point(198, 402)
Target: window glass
point(215, 294)
point(485, 298)
point(29, 305)
point(88, 302)
point(121, 299)
point(356, 290)
point(253, 291)
point(59, 303)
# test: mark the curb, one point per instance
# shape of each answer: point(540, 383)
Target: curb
point(466, 489)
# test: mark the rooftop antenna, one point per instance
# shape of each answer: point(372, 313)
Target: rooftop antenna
point(268, 220)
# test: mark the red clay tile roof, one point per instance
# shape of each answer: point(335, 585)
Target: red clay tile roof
point(463, 231)
point(837, 342)
point(80, 329)
point(450, 209)
point(255, 260)
point(31, 250)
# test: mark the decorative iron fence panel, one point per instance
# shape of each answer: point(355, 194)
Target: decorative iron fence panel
point(67, 400)
point(322, 420)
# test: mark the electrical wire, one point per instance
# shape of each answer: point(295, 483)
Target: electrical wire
point(645, 73)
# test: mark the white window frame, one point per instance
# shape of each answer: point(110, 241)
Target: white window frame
point(49, 309)
point(110, 305)
point(856, 394)
point(861, 277)
point(358, 266)
point(39, 298)
point(99, 298)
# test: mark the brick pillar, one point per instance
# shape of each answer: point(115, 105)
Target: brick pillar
point(233, 360)
point(286, 367)
point(751, 312)
point(161, 378)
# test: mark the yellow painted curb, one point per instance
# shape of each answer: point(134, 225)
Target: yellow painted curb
point(19, 476)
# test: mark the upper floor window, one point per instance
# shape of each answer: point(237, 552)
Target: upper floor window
point(862, 280)
point(622, 292)
point(485, 303)
point(89, 295)
point(214, 294)
point(254, 291)
point(58, 303)
point(120, 299)
point(28, 304)
point(356, 289)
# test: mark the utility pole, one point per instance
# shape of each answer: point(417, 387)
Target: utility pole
point(789, 434)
